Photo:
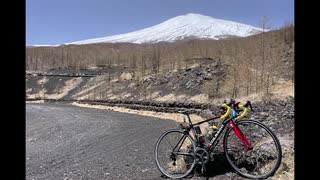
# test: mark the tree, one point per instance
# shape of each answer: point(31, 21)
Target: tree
point(155, 60)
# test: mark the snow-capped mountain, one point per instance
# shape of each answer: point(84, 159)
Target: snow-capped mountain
point(40, 45)
point(185, 26)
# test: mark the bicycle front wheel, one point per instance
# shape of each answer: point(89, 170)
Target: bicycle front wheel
point(174, 154)
point(262, 159)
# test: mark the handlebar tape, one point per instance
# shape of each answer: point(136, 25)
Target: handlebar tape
point(244, 113)
point(228, 111)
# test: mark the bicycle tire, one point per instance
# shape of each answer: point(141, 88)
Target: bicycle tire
point(260, 144)
point(181, 161)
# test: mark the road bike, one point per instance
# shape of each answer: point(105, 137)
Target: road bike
point(250, 147)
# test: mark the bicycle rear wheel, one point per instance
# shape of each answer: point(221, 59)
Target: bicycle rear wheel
point(264, 156)
point(174, 154)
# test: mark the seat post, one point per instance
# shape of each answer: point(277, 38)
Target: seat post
point(187, 114)
point(189, 119)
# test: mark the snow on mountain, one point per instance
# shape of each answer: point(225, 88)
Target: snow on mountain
point(180, 27)
point(41, 45)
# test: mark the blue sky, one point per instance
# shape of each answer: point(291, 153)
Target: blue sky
point(62, 21)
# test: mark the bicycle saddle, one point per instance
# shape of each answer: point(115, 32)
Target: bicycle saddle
point(185, 112)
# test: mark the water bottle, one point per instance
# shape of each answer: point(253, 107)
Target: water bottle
point(199, 134)
point(211, 131)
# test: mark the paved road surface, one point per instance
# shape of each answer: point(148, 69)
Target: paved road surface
point(69, 142)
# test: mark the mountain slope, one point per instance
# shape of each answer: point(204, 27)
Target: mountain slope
point(180, 27)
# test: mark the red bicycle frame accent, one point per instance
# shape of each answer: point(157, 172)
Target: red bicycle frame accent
point(240, 135)
point(234, 127)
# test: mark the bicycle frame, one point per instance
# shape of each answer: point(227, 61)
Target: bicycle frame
point(230, 121)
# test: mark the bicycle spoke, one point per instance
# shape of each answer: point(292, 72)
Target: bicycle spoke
point(169, 143)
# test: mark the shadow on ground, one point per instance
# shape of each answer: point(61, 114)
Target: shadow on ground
point(219, 166)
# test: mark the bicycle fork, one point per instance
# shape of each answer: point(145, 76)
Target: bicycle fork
point(240, 135)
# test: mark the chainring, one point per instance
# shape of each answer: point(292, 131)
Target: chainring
point(202, 155)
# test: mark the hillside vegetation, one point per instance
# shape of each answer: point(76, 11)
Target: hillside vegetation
point(186, 70)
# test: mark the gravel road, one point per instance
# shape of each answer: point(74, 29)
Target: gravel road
point(69, 142)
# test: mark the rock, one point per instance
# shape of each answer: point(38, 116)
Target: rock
point(270, 118)
point(199, 73)
point(264, 114)
point(126, 76)
point(208, 76)
point(230, 174)
point(30, 140)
